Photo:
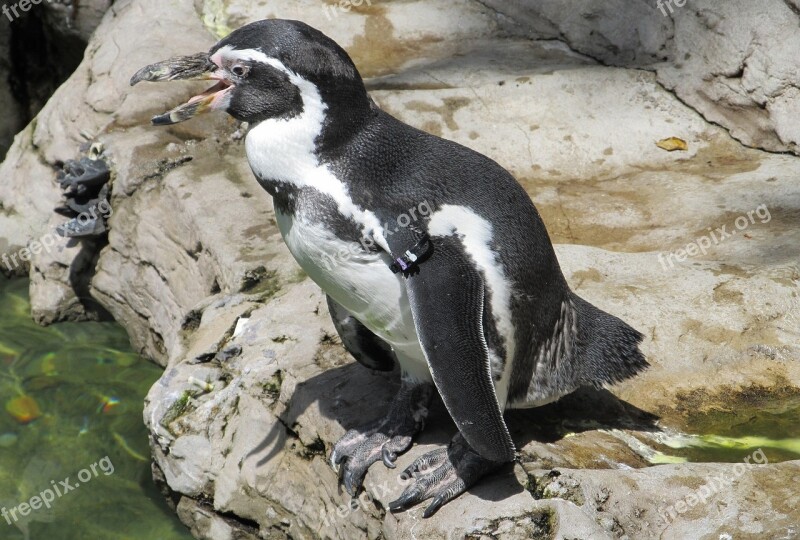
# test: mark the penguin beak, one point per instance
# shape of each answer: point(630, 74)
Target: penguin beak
point(194, 67)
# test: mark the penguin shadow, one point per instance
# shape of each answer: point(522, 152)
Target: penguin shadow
point(350, 395)
point(585, 409)
point(353, 396)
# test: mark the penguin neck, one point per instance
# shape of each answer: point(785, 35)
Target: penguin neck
point(293, 156)
point(288, 150)
point(348, 109)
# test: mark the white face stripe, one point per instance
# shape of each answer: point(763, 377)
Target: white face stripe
point(284, 149)
point(476, 236)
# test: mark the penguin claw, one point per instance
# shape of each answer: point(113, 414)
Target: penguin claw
point(409, 498)
point(356, 460)
point(389, 457)
point(443, 475)
point(337, 456)
point(440, 500)
point(353, 479)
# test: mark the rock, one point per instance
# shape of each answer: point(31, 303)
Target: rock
point(59, 273)
point(26, 204)
point(731, 61)
point(257, 387)
point(691, 501)
point(70, 18)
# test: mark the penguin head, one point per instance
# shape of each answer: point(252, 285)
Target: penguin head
point(266, 70)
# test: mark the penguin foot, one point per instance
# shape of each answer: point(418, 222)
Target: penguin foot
point(383, 439)
point(443, 475)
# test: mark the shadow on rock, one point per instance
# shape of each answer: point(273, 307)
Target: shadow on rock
point(586, 409)
point(353, 396)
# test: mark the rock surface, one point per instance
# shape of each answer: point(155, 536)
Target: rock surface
point(77, 19)
point(35, 50)
point(734, 61)
point(257, 387)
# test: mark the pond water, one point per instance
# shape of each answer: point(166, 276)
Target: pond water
point(769, 432)
point(73, 446)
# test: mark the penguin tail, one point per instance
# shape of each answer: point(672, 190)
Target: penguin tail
point(608, 348)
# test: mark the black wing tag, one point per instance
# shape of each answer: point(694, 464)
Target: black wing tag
point(413, 256)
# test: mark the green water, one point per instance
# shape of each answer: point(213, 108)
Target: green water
point(771, 431)
point(87, 388)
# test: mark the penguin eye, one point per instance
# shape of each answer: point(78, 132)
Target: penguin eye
point(240, 70)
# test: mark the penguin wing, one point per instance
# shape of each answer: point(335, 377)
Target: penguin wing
point(446, 293)
point(368, 349)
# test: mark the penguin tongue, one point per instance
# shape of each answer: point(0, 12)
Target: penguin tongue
point(178, 114)
point(212, 98)
point(214, 92)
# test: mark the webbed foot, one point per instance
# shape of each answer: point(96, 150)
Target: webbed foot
point(383, 439)
point(443, 475)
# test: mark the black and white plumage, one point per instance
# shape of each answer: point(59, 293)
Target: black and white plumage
point(487, 319)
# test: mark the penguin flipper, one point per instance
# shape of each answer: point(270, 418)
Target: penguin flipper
point(448, 315)
point(368, 349)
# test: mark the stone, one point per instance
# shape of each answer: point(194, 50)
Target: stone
point(731, 61)
point(68, 18)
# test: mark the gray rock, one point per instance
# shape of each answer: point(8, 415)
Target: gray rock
point(28, 195)
point(79, 19)
point(734, 61)
point(692, 501)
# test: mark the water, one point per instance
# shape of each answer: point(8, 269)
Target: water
point(770, 431)
point(72, 397)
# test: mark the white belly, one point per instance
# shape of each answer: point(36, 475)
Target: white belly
point(362, 283)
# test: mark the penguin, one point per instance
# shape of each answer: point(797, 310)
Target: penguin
point(468, 299)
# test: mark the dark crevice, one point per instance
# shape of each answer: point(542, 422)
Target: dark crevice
point(793, 7)
point(41, 60)
point(247, 525)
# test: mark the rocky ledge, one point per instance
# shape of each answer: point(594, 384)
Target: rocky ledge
point(257, 387)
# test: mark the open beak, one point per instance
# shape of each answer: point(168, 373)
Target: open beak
point(195, 67)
